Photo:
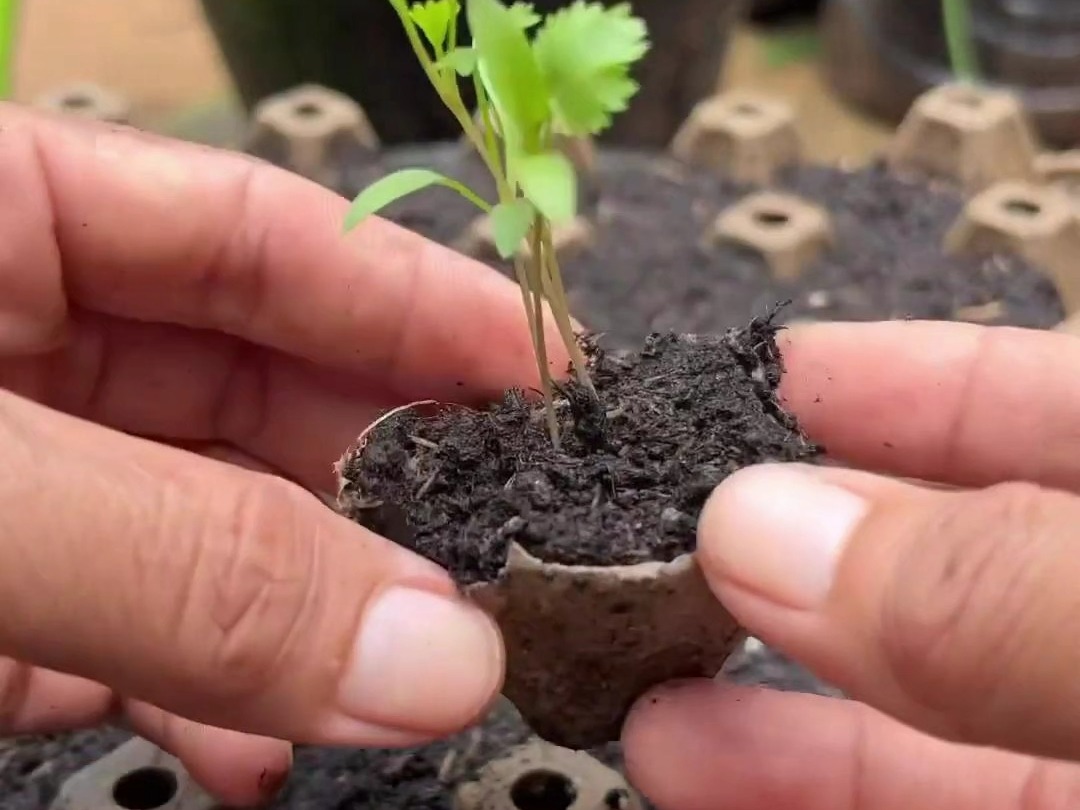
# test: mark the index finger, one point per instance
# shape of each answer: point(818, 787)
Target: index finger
point(949, 402)
point(132, 225)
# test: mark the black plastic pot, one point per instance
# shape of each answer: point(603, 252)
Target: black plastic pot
point(881, 54)
point(357, 47)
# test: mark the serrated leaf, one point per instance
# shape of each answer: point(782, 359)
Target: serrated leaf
point(508, 68)
point(548, 182)
point(510, 223)
point(433, 17)
point(525, 15)
point(461, 60)
point(400, 184)
point(585, 52)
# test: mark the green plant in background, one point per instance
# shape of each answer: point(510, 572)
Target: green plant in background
point(961, 44)
point(787, 45)
point(535, 79)
point(9, 23)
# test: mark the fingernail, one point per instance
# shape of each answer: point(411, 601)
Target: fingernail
point(422, 661)
point(778, 531)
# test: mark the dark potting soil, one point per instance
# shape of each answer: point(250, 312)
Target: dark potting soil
point(625, 486)
point(648, 269)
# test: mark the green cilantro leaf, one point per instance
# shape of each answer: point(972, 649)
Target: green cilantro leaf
point(525, 15)
point(585, 52)
point(461, 60)
point(400, 184)
point(510, 223)
point(433, 17)
point(549, 182)
point(509, 71)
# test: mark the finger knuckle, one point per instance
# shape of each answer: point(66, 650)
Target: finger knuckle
point(260, 586)
point(230, 282)
point(38, 296)
point(959, 599)
point(240, 411)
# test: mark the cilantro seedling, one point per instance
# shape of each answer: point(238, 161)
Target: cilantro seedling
point(535, 79)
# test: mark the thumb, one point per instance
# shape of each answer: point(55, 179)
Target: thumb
point(955, 611)
point(225, 596)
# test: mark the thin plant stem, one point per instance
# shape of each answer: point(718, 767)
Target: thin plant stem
point(545, 376)
point(963, 58)
point(523, 285)
point(491, 142)
point(560, 307)
point(9, 26)
point(535, 318)
point(536, 285)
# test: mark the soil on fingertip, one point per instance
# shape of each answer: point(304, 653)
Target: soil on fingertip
point(627, 483)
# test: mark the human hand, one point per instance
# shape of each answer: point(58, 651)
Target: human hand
point(950, 613)
point(165, 308)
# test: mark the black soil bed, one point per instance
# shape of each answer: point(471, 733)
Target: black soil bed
point(627, 483)
point(649, 270)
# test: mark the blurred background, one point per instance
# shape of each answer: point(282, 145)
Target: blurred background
point(163, 57)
